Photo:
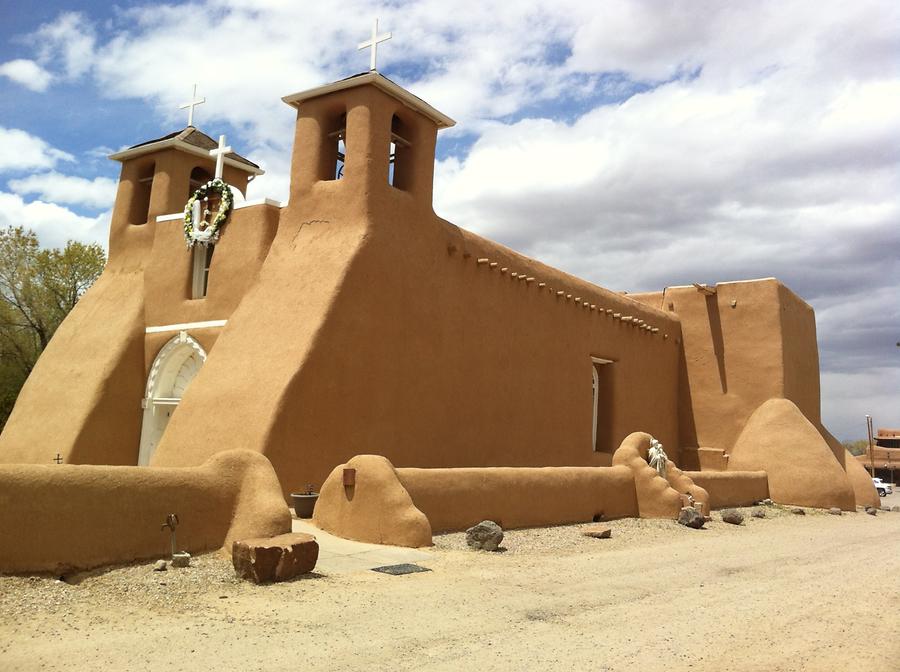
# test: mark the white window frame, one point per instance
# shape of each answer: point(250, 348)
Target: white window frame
point(201, 265)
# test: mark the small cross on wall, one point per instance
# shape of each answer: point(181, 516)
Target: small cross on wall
point(373, 44)
point(58, 459)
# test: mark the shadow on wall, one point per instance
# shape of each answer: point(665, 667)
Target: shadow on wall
point(113, 514)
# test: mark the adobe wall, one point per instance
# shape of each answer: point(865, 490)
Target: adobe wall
point(91, 378)
point(64, 517)
point(747, 343)
point(374, 329)
point(732, 488)
point(513, 497)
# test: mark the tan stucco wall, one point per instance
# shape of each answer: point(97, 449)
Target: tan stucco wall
point(64, 517)
point(732, 488)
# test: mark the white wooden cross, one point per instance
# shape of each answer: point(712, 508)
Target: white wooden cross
point(373, 43)
point(220, 152)
point(191, 105)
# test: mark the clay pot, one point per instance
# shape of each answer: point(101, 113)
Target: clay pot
point(304, 504)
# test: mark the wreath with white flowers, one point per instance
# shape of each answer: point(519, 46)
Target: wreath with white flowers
point(206, 232)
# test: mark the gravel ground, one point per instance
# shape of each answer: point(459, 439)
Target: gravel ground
point(785, 593)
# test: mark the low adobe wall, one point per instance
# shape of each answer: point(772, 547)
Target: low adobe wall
point(64, 517)
point(732, 488)
point(455, 499)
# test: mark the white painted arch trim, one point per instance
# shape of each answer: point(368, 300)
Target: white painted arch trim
point(178, 341)
point(185, 326)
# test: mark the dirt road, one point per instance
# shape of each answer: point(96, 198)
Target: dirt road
point(814, 592)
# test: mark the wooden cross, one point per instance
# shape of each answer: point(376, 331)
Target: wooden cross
point(58, 459)
point(373, 44)
point(191, 105)
point(220, 153)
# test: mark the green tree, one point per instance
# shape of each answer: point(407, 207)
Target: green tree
point(858, 447)
point(38, 288)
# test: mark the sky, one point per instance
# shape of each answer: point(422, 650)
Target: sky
point(636, 143)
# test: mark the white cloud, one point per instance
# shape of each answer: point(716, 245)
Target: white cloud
point(99, 192)
point(27, 73)
point(67, 43)
point(54, 224)
point(20, 151)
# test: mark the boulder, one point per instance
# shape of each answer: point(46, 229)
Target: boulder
point(597, 531)
point(895, 509)
point(758, 513)
point(798, 511)
point(182, 559)
point(485, 536)
point(276, 558)
point(871, 510)
point(834, 511)
point(886, 508)
point(160, 566)
point(691, 517)
point(733, 517)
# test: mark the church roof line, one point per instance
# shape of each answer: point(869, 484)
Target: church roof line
point(380, 81)
point(191, 140)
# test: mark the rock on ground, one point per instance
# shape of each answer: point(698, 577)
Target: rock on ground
point(835, 511)
point(733, 517)
point(758, 513)
point(798, 511)
point(871, 510)
point(597, 531)
point(160, 566)
point(181, 560)
point(691, 517)
point(486, 536)
point(275, 559)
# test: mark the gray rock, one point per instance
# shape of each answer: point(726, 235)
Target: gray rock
point(160, 566)
point(182, 559)
point(798, 511)
point(886, 508)
point(871, 510)
point(768, 502)
point(835, 511)
point(485, 536)
point(758, 513)
point(691, 517)
point(896, 509)
point(732, 517)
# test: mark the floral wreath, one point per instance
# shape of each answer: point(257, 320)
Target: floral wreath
point(209, 234)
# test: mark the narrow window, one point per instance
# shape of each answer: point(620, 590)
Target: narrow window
point(334, 150)
point(139, 212)
point(202, 262)
point(400, 157)
point(602, 398)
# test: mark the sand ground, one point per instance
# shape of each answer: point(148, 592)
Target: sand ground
point(814, 592)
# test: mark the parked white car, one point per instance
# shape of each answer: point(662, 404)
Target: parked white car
point(884, 489)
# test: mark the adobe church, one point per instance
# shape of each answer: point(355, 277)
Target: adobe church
point(353, 320)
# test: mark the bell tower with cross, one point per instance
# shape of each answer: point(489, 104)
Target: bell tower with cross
point(362, 140)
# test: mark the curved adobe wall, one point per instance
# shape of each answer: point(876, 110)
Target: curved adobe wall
point(58, 518)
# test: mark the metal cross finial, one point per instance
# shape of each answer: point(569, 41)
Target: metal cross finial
point(373, 43)
point(191, 105)
point(220, 153)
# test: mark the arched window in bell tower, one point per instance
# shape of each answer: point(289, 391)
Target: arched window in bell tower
point(400, 155)
point(139, 210)
point(334, 147)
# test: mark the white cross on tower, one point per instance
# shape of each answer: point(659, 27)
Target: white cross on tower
point(220, 152)
point(373, 43)
point(191, 105)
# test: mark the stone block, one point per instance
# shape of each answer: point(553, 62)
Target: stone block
point(597, 531)
point(276, 558)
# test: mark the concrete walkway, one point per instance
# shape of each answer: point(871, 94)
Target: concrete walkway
point(341, 556)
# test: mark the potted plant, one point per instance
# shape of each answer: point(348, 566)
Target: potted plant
point(305, 502)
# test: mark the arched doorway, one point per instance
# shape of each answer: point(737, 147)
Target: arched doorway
point(173, 370)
